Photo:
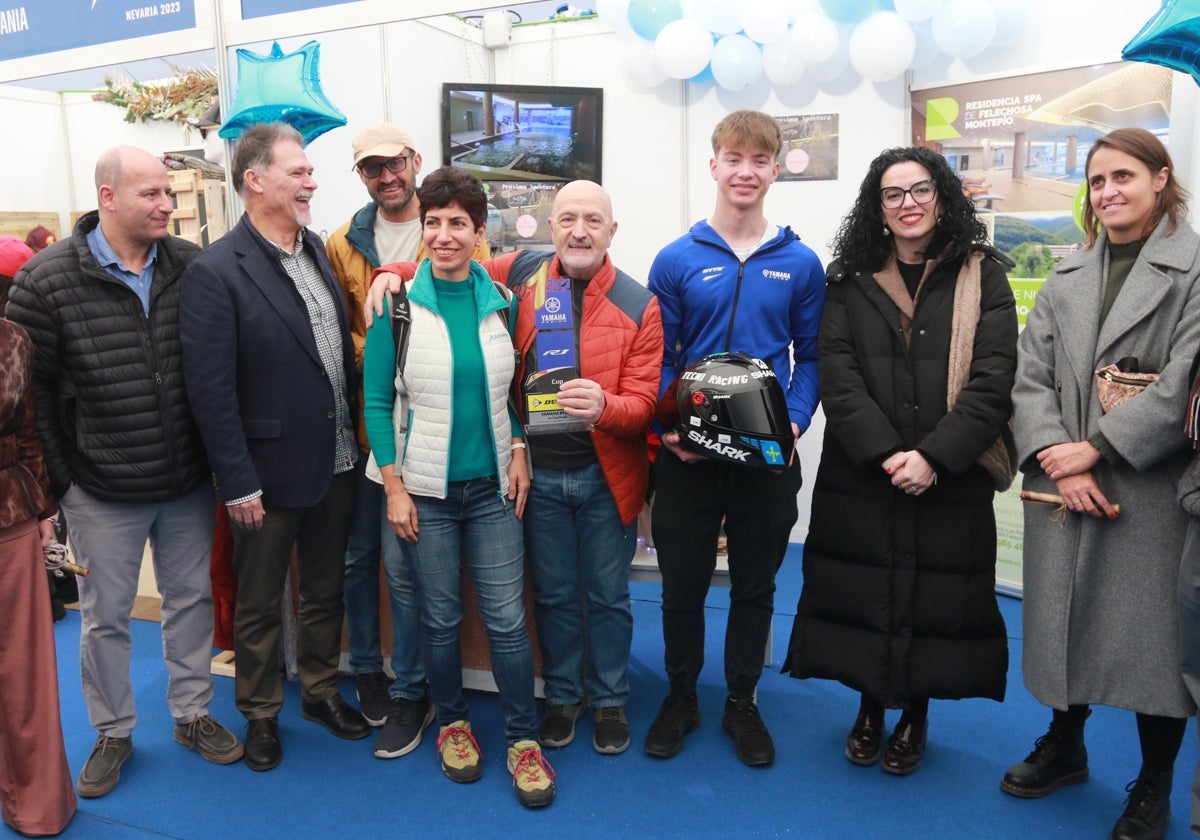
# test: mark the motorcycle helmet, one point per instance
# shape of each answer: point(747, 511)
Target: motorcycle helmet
point(732, 408)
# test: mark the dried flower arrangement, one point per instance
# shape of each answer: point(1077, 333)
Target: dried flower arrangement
point(187, 93)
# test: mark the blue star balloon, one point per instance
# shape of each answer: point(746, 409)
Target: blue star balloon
point(1170, 38)
point(282, 88)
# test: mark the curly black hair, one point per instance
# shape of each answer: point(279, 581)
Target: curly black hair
point(860, 243)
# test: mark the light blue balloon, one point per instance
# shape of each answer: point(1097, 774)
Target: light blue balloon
point(1171, 38)
point(284, 88)
point(648, 17)
point(847, 11)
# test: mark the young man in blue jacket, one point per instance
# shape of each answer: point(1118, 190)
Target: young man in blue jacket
point(734, 282)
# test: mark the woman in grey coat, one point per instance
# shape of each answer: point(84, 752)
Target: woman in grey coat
point(1100, 587)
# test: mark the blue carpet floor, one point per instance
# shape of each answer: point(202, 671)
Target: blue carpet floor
point(326, 788)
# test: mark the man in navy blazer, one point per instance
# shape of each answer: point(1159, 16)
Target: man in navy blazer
point(269, 364)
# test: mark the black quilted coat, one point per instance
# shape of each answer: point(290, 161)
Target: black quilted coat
point(112, 410)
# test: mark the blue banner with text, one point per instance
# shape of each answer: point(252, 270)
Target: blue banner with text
point(262, 8)
point(35, 27)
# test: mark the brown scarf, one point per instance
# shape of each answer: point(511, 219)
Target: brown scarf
point(1000, 459)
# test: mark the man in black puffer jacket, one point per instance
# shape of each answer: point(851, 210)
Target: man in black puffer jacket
point(125, 460)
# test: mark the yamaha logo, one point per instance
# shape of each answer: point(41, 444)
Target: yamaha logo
point(553, 304)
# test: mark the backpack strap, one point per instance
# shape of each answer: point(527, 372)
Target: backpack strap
point(401, 323)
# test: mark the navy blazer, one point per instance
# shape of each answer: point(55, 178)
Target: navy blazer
point(255, 381)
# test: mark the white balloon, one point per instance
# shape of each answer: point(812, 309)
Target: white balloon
point(782, 62)
point(927, 51)
point(796, 8)
point(615, 13)
point(1012, 17)
point(719, 17)
point(964, 28)
point(917, 10)
point(765, 21)
point(882, 46)
point(736, 62)
point(834, 66)
point(682, 49)
point(637, 59)
point(815, 36)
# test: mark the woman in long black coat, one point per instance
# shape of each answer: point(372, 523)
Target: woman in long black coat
point(899, 566)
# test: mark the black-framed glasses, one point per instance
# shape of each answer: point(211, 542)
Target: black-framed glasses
point(394, 165)
point(922, 192)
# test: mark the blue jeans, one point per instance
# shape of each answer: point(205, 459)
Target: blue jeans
point(371, 535)
point(479, 525)
point(579, 556)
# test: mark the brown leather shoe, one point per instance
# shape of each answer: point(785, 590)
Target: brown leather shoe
point(862, 744)
point(905, 748)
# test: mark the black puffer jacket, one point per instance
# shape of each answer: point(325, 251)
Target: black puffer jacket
point(112, 411)
point(898, 599)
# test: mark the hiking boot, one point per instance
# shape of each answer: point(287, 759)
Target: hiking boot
point(678, 715)
point(103, 768)
point(213, 741)
point(745, 726)
point(1059, 758)
point(460, 752)
point(612, 730)
point(1147, 809)
point(373, 696)
point(407, 721)
point(533, 777)
point(558, 728)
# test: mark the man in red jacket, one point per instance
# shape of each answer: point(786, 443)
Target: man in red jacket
point(590, 340)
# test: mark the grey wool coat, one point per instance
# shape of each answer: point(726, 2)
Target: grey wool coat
point(1100, 612)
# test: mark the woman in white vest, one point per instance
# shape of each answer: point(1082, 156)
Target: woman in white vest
point(452, 459)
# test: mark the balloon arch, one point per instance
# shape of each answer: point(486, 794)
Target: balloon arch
point(735, 44)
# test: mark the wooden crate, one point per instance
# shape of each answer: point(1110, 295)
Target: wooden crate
point(199, 215)
point(18, 223)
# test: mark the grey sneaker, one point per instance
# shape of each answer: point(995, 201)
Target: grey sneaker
point(103, 768)
point(373, 696)
point(612, 730)
point(558, 729)
point(213, 741)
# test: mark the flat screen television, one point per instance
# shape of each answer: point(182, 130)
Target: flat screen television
point(522, 132)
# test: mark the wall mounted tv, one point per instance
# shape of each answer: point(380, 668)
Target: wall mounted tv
point(522, 132)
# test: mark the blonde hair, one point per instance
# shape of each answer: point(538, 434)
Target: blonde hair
point(748, 131)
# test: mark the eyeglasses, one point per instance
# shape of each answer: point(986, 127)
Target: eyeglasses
point(922, 192)
point(394, 165)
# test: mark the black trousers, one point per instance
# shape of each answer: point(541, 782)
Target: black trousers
point(261, 559)
point(759, 509)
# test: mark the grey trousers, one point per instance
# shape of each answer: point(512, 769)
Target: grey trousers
point(1189, 634)
point(109, 538)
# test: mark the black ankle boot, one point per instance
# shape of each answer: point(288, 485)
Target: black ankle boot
point(1059, 758)
point(1148, 808)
